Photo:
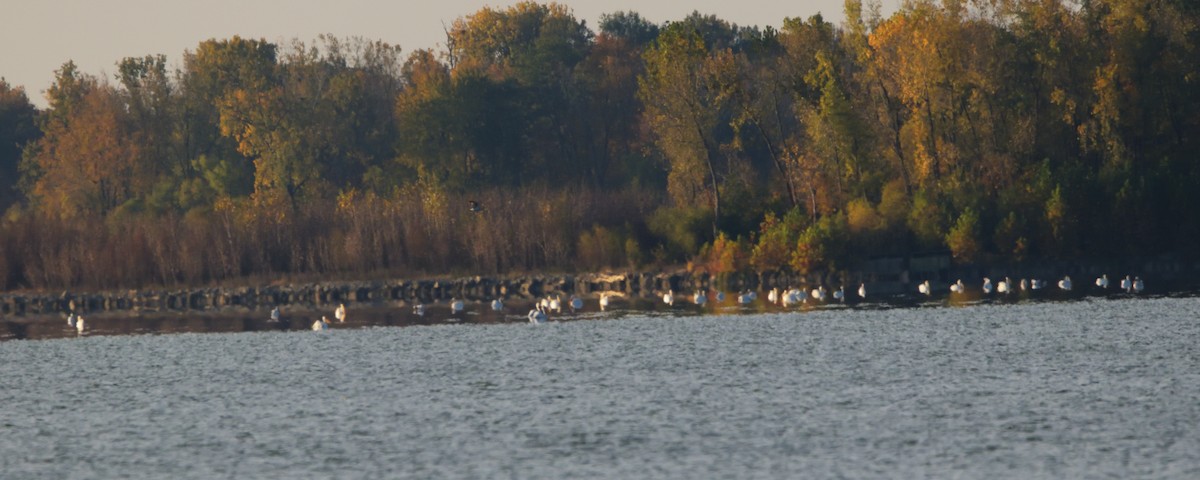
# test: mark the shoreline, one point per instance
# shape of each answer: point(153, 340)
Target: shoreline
point(883, 277)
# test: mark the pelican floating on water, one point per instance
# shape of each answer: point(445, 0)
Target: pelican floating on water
point(340, 313)
point(1005, 286)
point(320, 324)
point(497, 305)
point(537, 315)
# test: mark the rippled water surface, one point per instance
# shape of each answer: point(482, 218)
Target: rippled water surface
point(1089, 388)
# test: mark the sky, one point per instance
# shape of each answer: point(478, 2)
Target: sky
point(42, 35)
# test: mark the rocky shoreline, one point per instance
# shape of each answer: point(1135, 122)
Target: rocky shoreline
point(887, 276)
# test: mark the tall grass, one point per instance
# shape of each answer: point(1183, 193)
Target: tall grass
point(354, 236)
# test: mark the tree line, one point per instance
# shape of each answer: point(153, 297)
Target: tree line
point(995, 130)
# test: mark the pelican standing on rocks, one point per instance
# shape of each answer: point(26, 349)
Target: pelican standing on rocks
point(1102, 282)
point(576, 304)
point(275, 314)
point(320, 324)
point(419, 309)
point(555, 304)
point(340, 313)
point(1127, 284)
point(958, 287)
point(71, 319)
point(819, 293)
point(773, 295)
point(746, 298)
point(669, 297)
point(1003, 286)
point(497, 305)
point(862, 290)
point(924, 288)
point(1065, 284)
point(79, 324)
point(603, 301)
point(699, 298)
point(1138, 286)
point(456, 305)
point(987, 286)
point(840, 294)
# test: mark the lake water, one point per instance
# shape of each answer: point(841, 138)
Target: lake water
point(1087, 388)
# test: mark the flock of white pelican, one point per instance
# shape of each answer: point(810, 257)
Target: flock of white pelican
point(787, 297)
point(1007, 286)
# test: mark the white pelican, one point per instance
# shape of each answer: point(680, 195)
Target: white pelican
point(603, 301)
point(987, 286)
point(720, 296)
point(669, 297)
point(840, 294)
point(456, 305)
point(1138, 286)
point(1024, 284)
point(497, 305)
point(793, 296)
point(862, 290)
point(555, 304)
point(320, 324)
point(746, 298)
point(958, 287)
point(1127, 284)
point(773, 295)
point(699, 298)
point(923, 287)
point(340, 313)
point(1005, 286)
point(275, 314)
point(1065, 283)
point(79, 324)
point(71, 320)
point(1102, 282)
point(537, 316)
point(419, 309)
point(819, 293)
point(576, 304)
point(1037, 284)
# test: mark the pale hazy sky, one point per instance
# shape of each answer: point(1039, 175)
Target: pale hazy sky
point(39, 36)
